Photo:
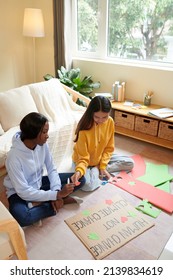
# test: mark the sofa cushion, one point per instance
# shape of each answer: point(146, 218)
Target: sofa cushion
point(5, 143)
point(1, 130)
point(15, 104)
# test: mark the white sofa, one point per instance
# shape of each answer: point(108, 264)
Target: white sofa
point(57, 103)
point(52, 99)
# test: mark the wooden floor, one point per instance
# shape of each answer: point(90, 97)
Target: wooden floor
point(54, 240)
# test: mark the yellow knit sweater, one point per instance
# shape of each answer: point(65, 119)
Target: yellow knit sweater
point(94, 147)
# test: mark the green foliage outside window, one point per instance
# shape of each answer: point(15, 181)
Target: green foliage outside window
point(136, 29)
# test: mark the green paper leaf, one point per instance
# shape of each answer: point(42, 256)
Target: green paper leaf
point(131, 214)
point(93, 236)
point(86, 212)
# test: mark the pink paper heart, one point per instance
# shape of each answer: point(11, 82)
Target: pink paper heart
point(124, 219)
point(108, 201)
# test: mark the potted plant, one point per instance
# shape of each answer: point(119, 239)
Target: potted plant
point(72, 78)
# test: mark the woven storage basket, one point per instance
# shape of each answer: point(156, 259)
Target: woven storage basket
point(166, 131)
point(125, 120)
point(146, 125)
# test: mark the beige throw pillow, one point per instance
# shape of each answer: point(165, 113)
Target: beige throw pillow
point(14, 105)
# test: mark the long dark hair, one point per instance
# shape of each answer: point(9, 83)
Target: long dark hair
point(31, 125)
point(98, 103)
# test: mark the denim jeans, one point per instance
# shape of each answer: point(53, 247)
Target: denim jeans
point(27, 216)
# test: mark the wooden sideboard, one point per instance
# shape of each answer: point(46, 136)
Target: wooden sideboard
point(137, 123)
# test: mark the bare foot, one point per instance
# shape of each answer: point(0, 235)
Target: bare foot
point(72, 199)
point(57, 204)
point(69, 200)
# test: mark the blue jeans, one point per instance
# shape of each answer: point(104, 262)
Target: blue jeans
point(27, 216)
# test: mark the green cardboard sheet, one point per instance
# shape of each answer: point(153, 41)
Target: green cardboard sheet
point(156, 174)
point(165, 187)
point(147, 208)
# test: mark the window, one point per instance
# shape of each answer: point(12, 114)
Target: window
point(140, 30)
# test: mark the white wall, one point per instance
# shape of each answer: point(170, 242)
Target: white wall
point(16, 51)
point(16, 64)
point(138, 79)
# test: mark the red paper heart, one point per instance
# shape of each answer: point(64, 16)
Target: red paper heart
point(108, 201)
point(124, 219)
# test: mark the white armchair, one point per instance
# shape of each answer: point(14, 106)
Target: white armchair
point(12, 238)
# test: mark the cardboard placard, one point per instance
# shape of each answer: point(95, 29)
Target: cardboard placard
point(107, 226)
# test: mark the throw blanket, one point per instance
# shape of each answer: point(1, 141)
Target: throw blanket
point(53, 101)
point(63, 114)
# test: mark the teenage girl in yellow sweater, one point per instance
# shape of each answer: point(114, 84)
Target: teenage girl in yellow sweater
point(94, 142)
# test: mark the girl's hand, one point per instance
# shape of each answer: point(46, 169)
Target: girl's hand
point(104, 173)
point(75, 178)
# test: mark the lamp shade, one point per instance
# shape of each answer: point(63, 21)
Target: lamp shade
point(33, 25)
